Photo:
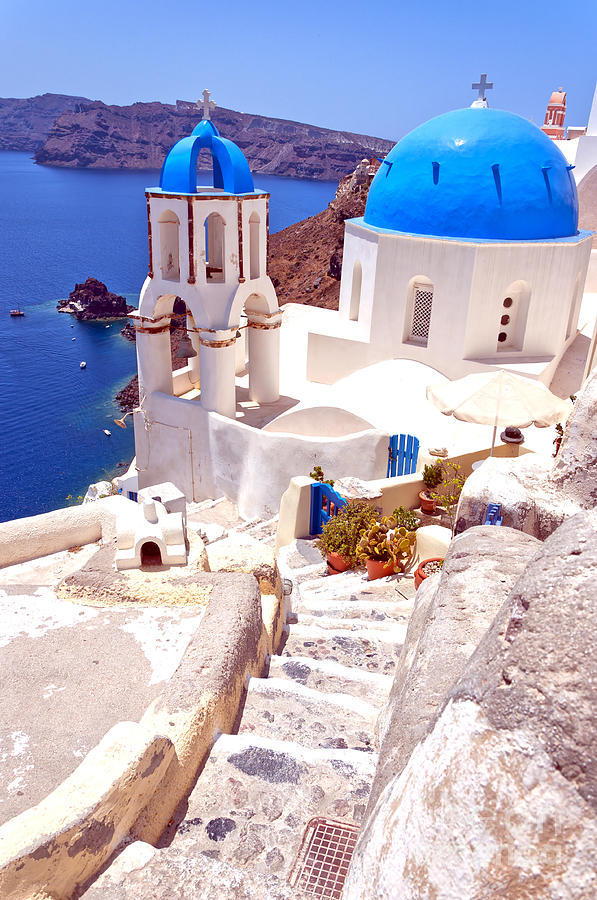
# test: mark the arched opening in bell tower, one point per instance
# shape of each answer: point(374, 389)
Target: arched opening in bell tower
point(254, 248)
point(169, 225)
point(215, 228)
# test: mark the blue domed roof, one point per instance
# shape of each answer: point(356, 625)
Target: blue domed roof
point(475, 173)
point(231, 172)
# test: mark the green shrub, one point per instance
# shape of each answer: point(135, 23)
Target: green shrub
point(406, 518)
point(317, 475)
point(341, 534)
point(448, 494)
point(432, 475)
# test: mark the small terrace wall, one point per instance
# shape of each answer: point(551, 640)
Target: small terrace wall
point(403, 490)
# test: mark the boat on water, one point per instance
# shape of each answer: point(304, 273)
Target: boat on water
point(17, 312)
point(105, 430)
point(83, 365)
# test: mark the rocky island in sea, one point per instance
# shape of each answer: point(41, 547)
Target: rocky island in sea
point(92, 301)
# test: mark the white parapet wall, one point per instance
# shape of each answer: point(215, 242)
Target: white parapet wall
point(74, 526)
point(209, 455)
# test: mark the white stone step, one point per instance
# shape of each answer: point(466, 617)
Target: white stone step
point(364, 648)
point(300, 554)
point(286, 710)
point(369, 611)
point(378, 622)
point(354, 585)
point(142, 872)
point(255, 796)
point(325, 675)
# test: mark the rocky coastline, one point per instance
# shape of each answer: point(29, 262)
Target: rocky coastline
point(92, 301)
point(128, 397)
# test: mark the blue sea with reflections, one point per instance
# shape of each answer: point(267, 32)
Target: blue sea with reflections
point(57, 227)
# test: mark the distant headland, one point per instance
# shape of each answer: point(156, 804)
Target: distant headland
point(80, 133)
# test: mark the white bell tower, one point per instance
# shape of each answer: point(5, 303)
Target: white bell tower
point(208, 246)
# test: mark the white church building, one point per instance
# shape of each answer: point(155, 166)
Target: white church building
point(468, 257)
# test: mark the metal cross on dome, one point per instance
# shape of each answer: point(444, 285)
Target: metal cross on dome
point(206, 104)
point(482, 85)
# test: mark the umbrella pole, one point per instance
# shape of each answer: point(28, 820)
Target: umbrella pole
point(497, 412)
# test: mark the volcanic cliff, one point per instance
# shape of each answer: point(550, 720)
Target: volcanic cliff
point(94, 135)
point(305, 259)
point(26, 123)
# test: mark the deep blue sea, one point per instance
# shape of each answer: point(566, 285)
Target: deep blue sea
point(58, 226)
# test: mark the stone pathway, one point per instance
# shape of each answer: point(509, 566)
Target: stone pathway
point(305, 744)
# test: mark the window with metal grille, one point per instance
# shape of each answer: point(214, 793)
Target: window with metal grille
point(422, 303)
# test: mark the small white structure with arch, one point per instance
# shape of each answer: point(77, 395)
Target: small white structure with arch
point(147, 534)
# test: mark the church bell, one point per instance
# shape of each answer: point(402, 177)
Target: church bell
point(185, 348)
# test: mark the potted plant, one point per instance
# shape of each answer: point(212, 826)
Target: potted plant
point(386, 549)
point(406, 518)
point(341, 534)
point(432, 476)
point(426, 568)
point(450, 489)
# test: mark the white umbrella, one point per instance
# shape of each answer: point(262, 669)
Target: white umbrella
point(499, 398)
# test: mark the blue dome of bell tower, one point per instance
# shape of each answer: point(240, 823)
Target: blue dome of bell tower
point(231, 172)
point(477, 174)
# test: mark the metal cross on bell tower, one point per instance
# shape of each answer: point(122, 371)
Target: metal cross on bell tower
point(482, 85)
point(206, 105)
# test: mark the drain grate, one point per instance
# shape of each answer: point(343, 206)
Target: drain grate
point(324, 857)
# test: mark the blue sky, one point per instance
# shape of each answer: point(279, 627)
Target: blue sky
point(379, 68)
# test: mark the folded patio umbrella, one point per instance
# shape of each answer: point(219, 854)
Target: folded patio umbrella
point(499, 398)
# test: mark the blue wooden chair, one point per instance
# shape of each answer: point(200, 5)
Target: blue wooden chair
point(493, 514)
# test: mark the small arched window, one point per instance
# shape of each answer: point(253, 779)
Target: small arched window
point(419, 308)
point(355, 294)
point(513, 317)
point(254, 248)
point(214, 248)
point(169, 249)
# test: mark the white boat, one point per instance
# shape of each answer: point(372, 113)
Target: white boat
point(83, 365)
point(105, 430)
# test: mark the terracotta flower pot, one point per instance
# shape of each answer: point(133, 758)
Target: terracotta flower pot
point(420, 574)
point(337, 563)
point(428, 504)
point(377, 568)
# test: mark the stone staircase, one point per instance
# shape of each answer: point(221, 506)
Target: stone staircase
point(304, 747)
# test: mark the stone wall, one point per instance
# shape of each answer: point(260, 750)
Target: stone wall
point(491, 789)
